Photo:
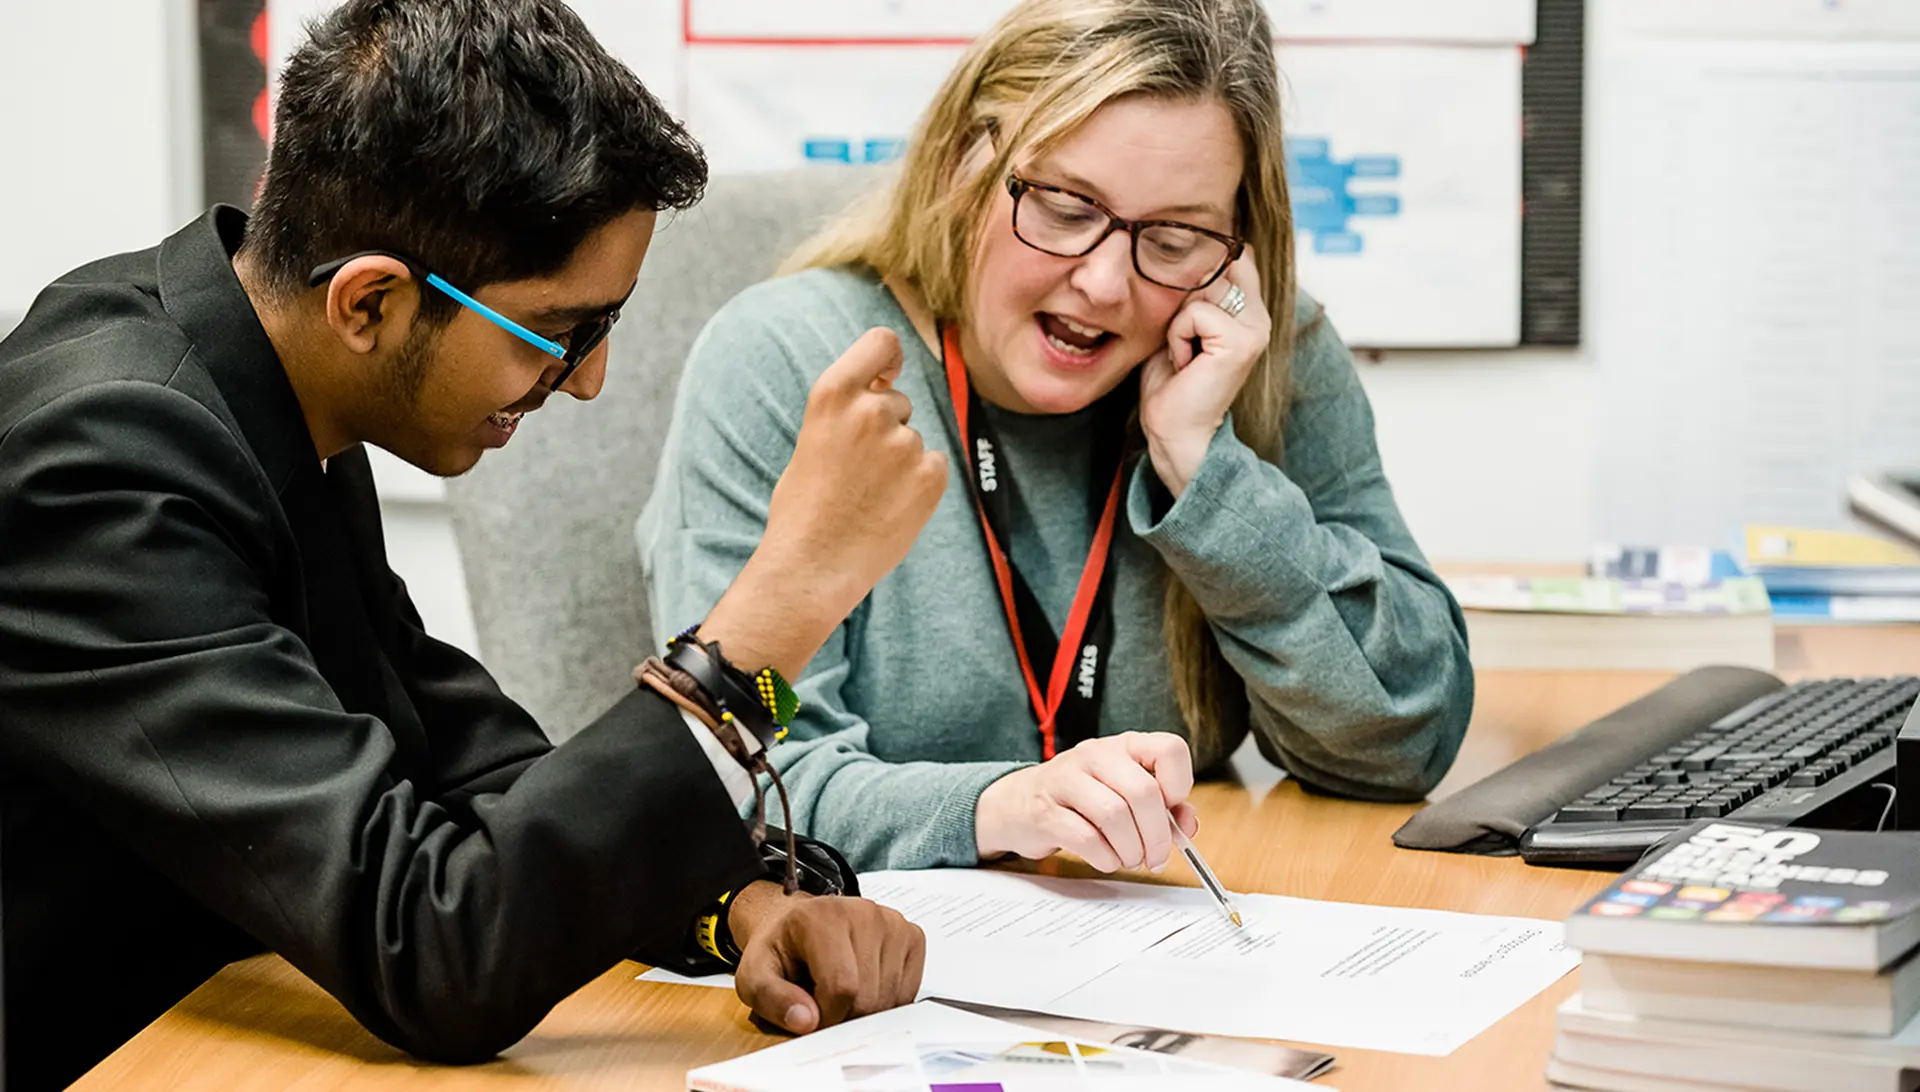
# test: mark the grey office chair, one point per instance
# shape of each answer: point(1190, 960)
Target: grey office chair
point(545, 526)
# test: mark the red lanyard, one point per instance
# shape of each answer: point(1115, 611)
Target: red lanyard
point(1077, 651)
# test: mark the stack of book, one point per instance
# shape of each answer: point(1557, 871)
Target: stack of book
point(1810, 575)
point(1614, 624)
point(1833, 575)
point(1745, 957)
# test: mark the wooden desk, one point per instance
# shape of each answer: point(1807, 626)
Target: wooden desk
point(260, 1024)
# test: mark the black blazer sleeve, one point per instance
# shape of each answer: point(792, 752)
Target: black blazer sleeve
point(157, 692)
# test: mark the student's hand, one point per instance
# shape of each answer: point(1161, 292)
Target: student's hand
point(855, 495)
point(1184, 397)
point(808, 963)
point(1108, 801)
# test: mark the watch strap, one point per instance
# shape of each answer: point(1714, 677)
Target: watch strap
point(713, 934)
point(762, 702)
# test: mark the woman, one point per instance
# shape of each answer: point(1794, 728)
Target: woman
point(1087, 259)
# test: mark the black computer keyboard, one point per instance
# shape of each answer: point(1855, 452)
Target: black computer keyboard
point(1809, 754)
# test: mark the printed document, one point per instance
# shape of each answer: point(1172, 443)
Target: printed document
point(1340, 974)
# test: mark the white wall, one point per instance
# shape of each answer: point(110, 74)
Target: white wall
point(1490, 453)
point(97, 134)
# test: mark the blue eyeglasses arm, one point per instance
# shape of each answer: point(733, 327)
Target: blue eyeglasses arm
point(551, 348)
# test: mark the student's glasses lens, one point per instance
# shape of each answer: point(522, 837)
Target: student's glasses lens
point(586, 337)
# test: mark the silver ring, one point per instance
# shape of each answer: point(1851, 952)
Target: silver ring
point(1234, 302)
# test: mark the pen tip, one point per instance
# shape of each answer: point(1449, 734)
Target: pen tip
point(1235, 918)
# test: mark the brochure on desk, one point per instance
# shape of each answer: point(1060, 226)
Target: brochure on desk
point(929, 1047)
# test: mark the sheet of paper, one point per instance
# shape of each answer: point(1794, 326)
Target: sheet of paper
point(1404, 166)
point(1404, 160)
point(1340, 974)
point(1002, 938)
point(674, 978)
point(807, 21)
point(1503, 22)
point(766, 108)
point(798, 21)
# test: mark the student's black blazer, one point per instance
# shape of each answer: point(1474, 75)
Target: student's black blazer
point(223, 730)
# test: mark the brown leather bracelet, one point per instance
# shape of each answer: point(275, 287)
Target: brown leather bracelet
point(683, 690)
point(686, 692)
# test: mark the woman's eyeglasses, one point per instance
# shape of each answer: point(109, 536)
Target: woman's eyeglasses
point(577, 344)
point(1168, 253)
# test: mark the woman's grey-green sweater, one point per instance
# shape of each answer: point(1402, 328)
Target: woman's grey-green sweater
point(1352, 653)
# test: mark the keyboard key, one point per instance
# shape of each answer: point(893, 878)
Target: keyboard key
point(1708, 809)
point(1586, 813)
point(1645, 810)
point(1702, 758)
point(1670, 777)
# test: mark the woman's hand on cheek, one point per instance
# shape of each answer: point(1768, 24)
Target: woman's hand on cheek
point(1184, 395)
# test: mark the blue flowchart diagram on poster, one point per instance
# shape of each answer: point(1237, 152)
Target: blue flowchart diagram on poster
point(839, 150)
point(1324, 204)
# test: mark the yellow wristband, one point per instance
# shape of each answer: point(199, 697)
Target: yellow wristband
point(706, 933)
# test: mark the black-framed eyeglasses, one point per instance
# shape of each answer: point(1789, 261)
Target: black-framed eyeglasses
point(579, 343)
point(1168, 253)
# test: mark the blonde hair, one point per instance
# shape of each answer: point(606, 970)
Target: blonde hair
point(1022, 89)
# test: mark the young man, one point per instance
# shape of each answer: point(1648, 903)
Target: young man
point(222, 729)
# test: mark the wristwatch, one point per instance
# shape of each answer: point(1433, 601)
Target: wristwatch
point(820, 869)
point(762, 702)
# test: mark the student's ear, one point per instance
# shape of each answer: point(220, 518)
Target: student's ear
point(372, 301)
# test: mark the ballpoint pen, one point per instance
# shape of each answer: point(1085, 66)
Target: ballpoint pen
point(1200, 869)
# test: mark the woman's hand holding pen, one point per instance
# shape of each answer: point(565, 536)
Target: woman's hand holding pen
point(1110, 801)
point(1185, 395)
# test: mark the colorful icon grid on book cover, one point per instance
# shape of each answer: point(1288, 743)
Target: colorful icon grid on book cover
point(1673, 902)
